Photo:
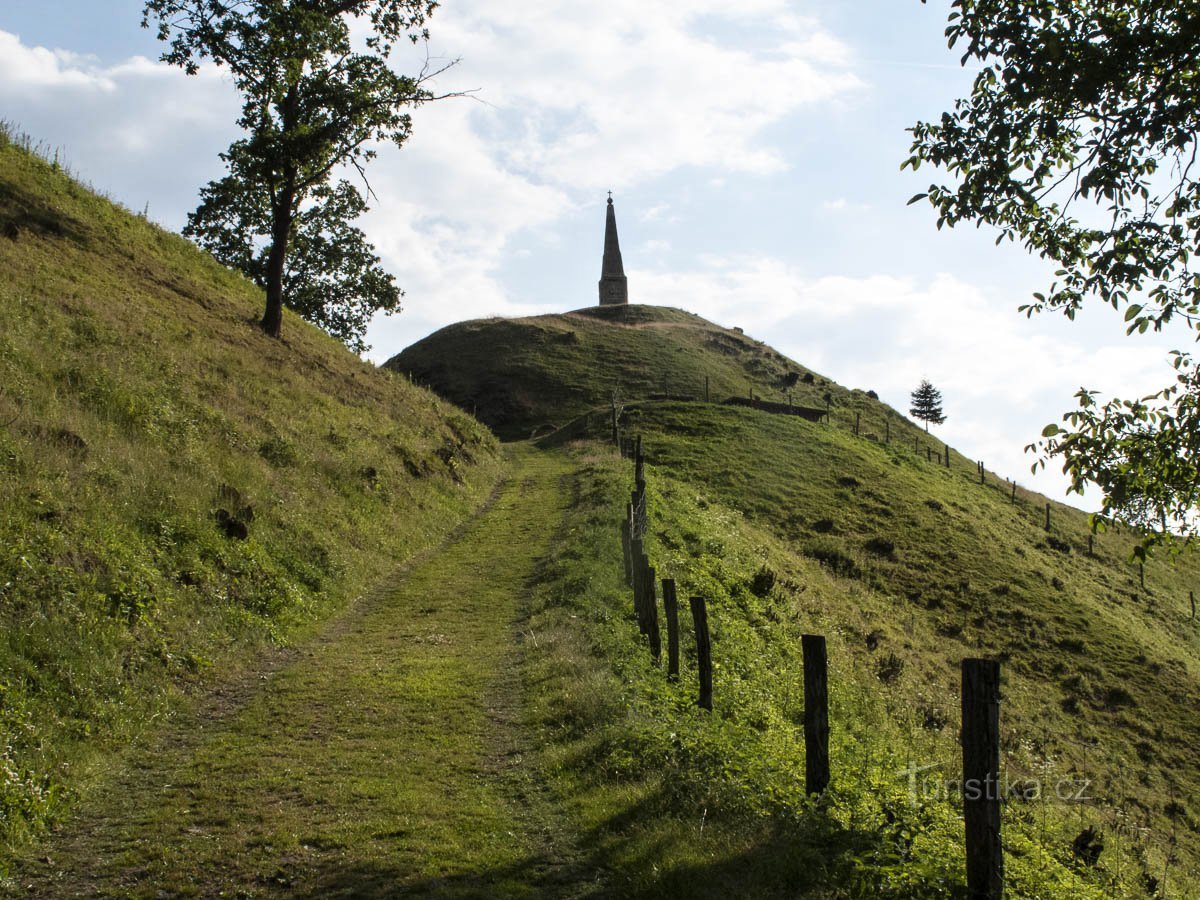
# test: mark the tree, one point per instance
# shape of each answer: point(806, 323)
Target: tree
point(1079, 139)
point(314, 100)
point(927, 404)
point(332, 276)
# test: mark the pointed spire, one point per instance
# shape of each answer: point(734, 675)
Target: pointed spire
point(614, 288)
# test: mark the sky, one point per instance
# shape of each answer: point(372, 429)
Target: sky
point(753, 151)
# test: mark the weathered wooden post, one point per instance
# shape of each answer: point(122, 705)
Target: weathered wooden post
point(1047, 516)
point(651, 607)
point(981, 472)
point(816, 714)
point(887, 431)
point(705, 388)
point(946, 455)
point(626, 544)
point(981, 777)
point(1014, 498)
point(671, 608)
point(1192, 597)
point(703, 651)
point(635, 551)
point(928, 454)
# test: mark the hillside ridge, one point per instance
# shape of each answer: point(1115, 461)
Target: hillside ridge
point(180, 490)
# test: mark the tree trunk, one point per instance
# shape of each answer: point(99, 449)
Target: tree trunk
point(282, 215)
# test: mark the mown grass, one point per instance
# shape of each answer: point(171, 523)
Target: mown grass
point(1099, 684)
point(386, 757)
point(178, 489)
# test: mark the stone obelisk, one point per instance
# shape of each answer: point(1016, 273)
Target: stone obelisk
point(614, 288)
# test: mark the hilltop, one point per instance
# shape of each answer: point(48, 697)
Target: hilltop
point(179, 490)
point(531, 375)
point(862, 527)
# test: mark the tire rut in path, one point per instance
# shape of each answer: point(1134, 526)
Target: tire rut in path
point(388, 757)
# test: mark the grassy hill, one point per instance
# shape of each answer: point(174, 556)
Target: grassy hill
point(791, 527)
point(181, 493)
point(178, 490)
point(908, 565)
point(521, 376)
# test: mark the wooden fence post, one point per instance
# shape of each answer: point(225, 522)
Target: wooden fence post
point(981, 777)
point(651, 607)
point(928, 454)
point(1192, 597)
point(947, 454)
point(816, 714)
point(981, 472)
point(703, 651)
point(705, 388)
point(1047, 516)
point(626, 544)
point(887, 431)
point(1014, 493)
point(635, 551)
point(671, 608)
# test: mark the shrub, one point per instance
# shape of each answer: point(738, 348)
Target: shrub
point(888, 668)
point(278, 452)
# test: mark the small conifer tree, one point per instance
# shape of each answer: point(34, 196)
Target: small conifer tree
point(927, 404)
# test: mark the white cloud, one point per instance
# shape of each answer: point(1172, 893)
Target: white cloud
point(24, 69)
point(605, 95)
point(142, 130)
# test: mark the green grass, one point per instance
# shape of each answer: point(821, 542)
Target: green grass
point(193, 510)
point(908, 568)
point(522, 376)
point(145, 423)
point(386, 756)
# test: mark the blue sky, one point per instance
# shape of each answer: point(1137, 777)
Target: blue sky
point(753, 151)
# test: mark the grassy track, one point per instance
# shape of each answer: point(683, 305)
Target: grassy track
point(387, 756)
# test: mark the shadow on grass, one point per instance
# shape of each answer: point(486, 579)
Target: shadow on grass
point(629, 855)
point(24, 211)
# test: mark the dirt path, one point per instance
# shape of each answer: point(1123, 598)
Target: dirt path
point(387, 757)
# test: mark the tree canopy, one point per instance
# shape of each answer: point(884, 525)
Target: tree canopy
point(927, 404)
point(315, 99)
point(1079, 139)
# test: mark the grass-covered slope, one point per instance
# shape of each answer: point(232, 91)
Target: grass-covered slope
point(907, 567)
point(176, 487)
point(521, 376)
